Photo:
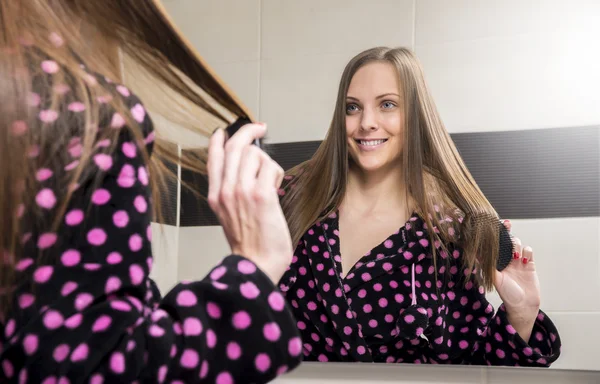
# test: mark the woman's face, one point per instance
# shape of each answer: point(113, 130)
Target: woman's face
point(374, 118)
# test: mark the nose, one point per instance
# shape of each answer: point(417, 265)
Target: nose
point(369, 120)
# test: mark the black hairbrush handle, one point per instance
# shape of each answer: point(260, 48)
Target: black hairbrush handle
point(236, 125)
point(505, 253)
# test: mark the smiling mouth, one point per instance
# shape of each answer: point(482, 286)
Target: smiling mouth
point(370, 143)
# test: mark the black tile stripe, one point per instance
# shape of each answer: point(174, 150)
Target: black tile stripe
point(168, 194)
point(528, 174)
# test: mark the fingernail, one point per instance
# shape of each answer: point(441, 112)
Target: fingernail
point(506, 221)
point(516, 255)
point(525, 261)
point(215, 131)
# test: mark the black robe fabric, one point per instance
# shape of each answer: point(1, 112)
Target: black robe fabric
point(392, 307)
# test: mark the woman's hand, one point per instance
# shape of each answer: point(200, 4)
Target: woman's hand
point(243, 185)
point(519, 288)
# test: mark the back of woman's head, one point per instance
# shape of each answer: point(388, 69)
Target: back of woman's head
point(436, 177)
point(122, 40)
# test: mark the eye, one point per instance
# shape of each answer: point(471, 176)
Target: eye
point(388, 104)
point(350, 108)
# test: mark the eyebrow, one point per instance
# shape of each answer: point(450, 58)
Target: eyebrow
point(378, 97)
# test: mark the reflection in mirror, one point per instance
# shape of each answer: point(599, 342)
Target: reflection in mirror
point(437, 194)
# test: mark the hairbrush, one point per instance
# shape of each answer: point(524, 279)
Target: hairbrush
point(505, 249)
point(236, 125)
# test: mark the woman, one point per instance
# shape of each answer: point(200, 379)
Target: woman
point(396, 244)
point(81, 169)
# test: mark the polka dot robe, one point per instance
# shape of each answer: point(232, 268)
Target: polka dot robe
point(85, 309)
point(392, 307)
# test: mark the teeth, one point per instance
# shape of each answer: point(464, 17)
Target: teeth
point(371, 142)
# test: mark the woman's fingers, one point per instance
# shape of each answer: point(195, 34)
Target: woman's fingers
point(270, 177)
point(527, 254)
point(233, 153)
point(250, 164)
point(517, 251)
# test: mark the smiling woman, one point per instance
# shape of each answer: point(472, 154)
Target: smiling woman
point(396, 243)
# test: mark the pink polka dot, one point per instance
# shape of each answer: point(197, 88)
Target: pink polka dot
point(143, 176)
point(190, 359)
point(48, 116)
point(409, 319)
point(136, 274)
point(117, 121)
point(76, 106)
point(249, 290)
point(96, 236)
point(114, 258)
point(46, 198)
point(272, 332)
point(101, 197)
point(44, 174)
point(120, 305)
point(74, 217)
point(388, 244)
point(117, 363)
point(83, 300)
point(139, 113)
point(156, 331)
point(26, 300)
point(102, 323)
point(103, 161)
point(10, 328)
point(233, 351)
point(113, 284)
point(463, 344)
point(162, 373)
point(24, 264)
point(246, 267)
point(53, 319)
point(68, 288)
point(97, 379)
point(43, 274)
point(30, 344)
point(192, 327)
point(135, 242)
point(276, 301)
point(186, 298)
point(47, 240)
point(56, 39)
point(204, 369)
point(140, 204)
point(224, 378)
point(241, 320)
point(80, 353)
point(61, 352)
point(361, 350)
point(123, 90)
point(121, 219)
point(8, 368)
point(19, 128)
point(262, 362)
point(50, 66)
point(129, 149)
point(500, 353)
point(295, 346)
point(211, 338)
point(213, 310)
point(71, 258)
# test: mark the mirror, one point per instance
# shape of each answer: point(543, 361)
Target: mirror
point(516, 86)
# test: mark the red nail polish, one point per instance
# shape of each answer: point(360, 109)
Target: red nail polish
point(525, 261)
point(515, 255)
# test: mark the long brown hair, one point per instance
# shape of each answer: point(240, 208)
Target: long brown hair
point(437, 179)
point(133, 42)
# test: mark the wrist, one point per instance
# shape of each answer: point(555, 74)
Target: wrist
point(522, 320)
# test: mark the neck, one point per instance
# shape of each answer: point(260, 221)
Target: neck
point(379, 191)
